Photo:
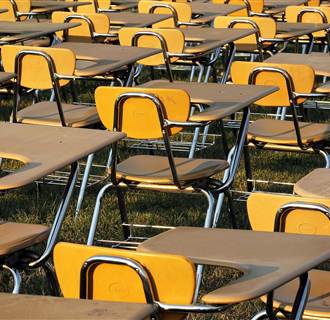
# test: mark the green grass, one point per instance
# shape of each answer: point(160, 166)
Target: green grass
point(30, 205)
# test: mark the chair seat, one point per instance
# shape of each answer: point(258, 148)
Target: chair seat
point(283, 132)
point(324, 88)
point(318, 305)
point(18, 236)
point(156, 169)
point(316, 184)
point(46, 113)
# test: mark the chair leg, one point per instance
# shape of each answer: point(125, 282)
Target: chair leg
point(123, 211)
point(48, 268)
point(84, 183)
point(326, 158)
point(248, 172)
point(52, 280)
point(231, 209)
point(207, 224)
point(16, 277)
point(96, 214)
point(260, 315)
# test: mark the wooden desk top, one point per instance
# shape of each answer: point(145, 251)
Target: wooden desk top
point(19, 306)
point(11, 32)
point(97, 59)
point(133, 19)
point(287, 30)
point(319, 61)
point(223, 99)
point(267, 259)
point(44, 149)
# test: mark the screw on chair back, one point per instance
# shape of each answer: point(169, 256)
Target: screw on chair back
point(265, 27)
point(140, 117)
point(14, 7)
point(38, 68)
point(180, 11)
point(308, 15)
point(287, 77)
point(172, 278)
point(91, 25)
point(263, 207)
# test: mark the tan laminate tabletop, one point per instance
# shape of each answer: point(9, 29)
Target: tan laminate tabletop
point(30, 307)
point(267, 259)
point(97, 59)
point(206, 12)
point(223, 99)
point(319, 61)
point(287, 30)
point(11, 32)
point(44, 149)
point(225, 35)
point(208, 39)
point(133, 19)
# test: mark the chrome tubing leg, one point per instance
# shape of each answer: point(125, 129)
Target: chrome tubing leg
point(301, 297)
point(326, 158)
point(228, 62)
point(221, 196)
point(109, 159)
point(96, 214)
point(199, 276)
point(207, 224)
point(192, 73)
point(84, 183)
point(260, 315)
point(60, 214)
point(194, 143)
point(283, 113)
point(16, 277)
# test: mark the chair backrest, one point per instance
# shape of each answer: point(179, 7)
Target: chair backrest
point(314, 3)
point(262, 208)
point(254, 5)
point(140, 118)
point(13, 7)
point(35, 72)
point(182, 10)
point(240, 73)
point(308, 15)
point(173, 38)
point(266, 26)
point(90, 23)
point(172, 277)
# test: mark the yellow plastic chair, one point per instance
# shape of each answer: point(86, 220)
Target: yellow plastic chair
point(180, 11)
point(259, 42)
point(18, 10)
point(310, 14)
point(170, 41)
point(295, 214)
point(45, 69)
point(94, 27)
point(151, 113)
point(282, 135)
point(128, 276)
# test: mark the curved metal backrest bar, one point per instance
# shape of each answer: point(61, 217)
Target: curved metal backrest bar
point(161, 111)
point(90, 264)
